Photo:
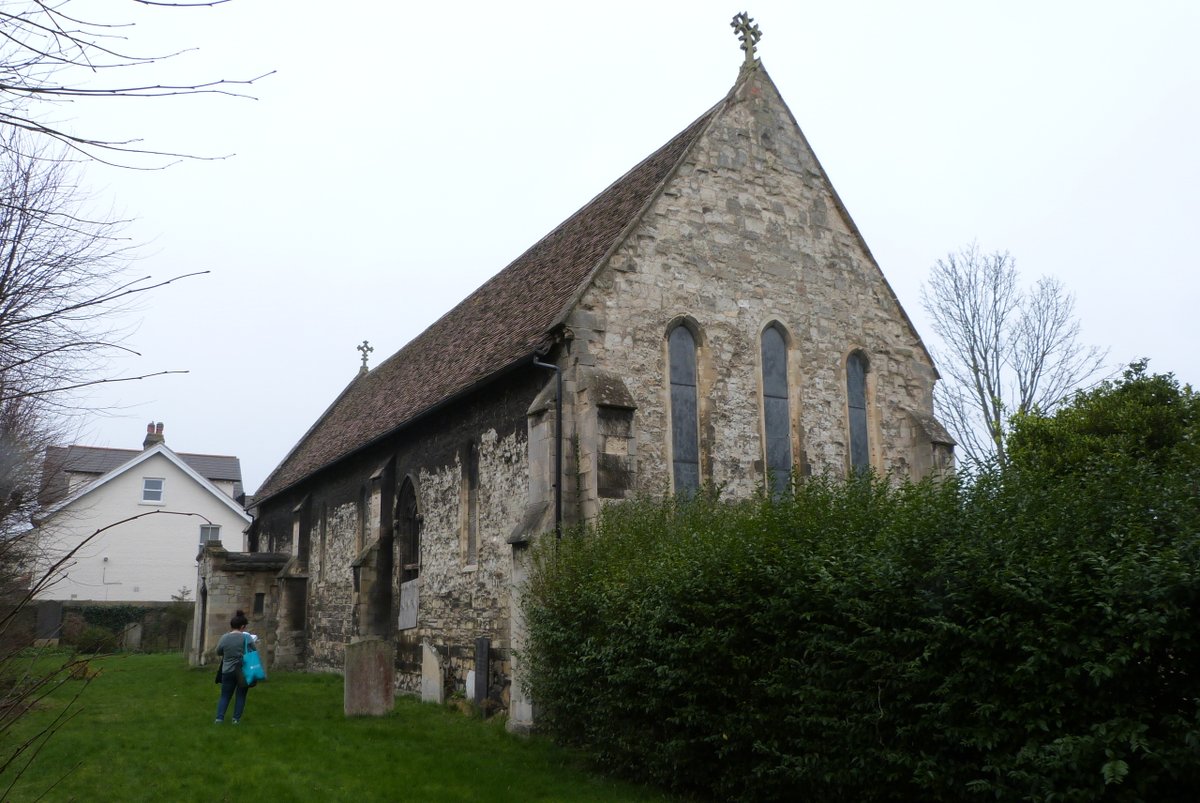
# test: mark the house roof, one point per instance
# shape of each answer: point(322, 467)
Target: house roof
point(61, 460)
point(504, 322)
point(137, 459)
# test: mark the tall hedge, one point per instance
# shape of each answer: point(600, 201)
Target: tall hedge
point(1026, 636)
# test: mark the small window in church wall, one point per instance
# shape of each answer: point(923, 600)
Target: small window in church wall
point(685, 428)
point(321, 545)
point(856, 403)
point(777, 427)
point(471, 468)
point(409, 523)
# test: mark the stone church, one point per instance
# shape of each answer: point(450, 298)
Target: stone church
point(712, 318)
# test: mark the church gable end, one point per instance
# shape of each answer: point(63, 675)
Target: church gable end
point(746, 234)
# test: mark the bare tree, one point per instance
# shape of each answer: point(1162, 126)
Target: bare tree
point(46, 50)
point(1005, 350)
point(63, 288)
point(62, 280)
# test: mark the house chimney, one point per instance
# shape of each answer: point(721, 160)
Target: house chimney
point(154, 435)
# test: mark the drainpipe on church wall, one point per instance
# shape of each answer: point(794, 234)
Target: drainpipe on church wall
point(558, 443)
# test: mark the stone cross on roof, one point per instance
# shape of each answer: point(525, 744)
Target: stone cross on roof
point(748, 32)
point(364, 349)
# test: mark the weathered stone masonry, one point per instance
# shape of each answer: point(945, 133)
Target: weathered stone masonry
point(749, 233)
point(458, 601)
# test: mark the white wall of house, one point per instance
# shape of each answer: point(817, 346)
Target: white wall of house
point(145, 560)
point(225, 487)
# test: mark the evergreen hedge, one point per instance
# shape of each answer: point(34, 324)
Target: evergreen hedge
point(1025, 636)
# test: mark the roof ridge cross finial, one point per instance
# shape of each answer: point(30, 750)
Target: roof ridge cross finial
point(748, 32)
point(364, 349)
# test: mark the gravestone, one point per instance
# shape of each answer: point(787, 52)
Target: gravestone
point(477, 686)
point(370, 678)
point(433, 689)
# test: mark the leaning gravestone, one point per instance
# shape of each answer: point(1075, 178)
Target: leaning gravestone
point(433, 690)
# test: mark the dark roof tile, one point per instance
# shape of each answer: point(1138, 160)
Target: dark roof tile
point(99, 461)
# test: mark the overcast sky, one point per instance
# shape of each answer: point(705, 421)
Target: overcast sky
point(403, 153)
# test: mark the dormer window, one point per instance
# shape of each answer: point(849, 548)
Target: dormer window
point(152, 490)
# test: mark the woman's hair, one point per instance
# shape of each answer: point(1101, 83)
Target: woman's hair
point(239, 620)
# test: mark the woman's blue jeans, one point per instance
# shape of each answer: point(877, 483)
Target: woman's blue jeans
point(230, 690)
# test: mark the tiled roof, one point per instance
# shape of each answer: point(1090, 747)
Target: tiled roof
point(98, 461)
point(504, 321)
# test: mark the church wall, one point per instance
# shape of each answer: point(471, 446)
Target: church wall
point(747, 233)
point(458, 601)
point(331, 582)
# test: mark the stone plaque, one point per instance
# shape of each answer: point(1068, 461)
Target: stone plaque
point(408, 605)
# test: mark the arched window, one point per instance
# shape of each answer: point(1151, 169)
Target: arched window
point(856, 402)
point(777, 427)
point(408, 522)
point(685, 427)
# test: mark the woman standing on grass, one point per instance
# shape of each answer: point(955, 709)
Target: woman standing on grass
point(230, 649)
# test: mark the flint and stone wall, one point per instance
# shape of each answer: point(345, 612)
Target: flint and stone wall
point(459, 601)
point(746, 234)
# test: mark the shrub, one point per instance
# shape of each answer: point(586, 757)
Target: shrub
point(95, 639)
point(1031, 635)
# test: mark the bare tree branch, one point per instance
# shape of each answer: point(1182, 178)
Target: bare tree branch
point(42, 48)
point(88, 384)
point(63, 290)
point(1003, 350)
point(63, 287)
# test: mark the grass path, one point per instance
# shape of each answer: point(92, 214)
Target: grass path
point(144, 731)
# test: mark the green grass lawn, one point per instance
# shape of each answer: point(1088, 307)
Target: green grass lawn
point(144, 731)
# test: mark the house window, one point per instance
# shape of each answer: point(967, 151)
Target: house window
point(152, 490)
point(777, 427)
point(685, 427)
point(856, 403)
point(209, 532)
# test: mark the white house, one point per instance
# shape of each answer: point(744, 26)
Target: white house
point(128, 525)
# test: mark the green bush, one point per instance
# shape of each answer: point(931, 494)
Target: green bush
point(1029, 635)
point(114, 618)
point(95, 639)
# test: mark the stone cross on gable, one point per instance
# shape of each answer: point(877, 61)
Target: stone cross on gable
point(748, 32)
point(364, 349)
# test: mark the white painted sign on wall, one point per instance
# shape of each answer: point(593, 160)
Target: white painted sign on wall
point(408, 605)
